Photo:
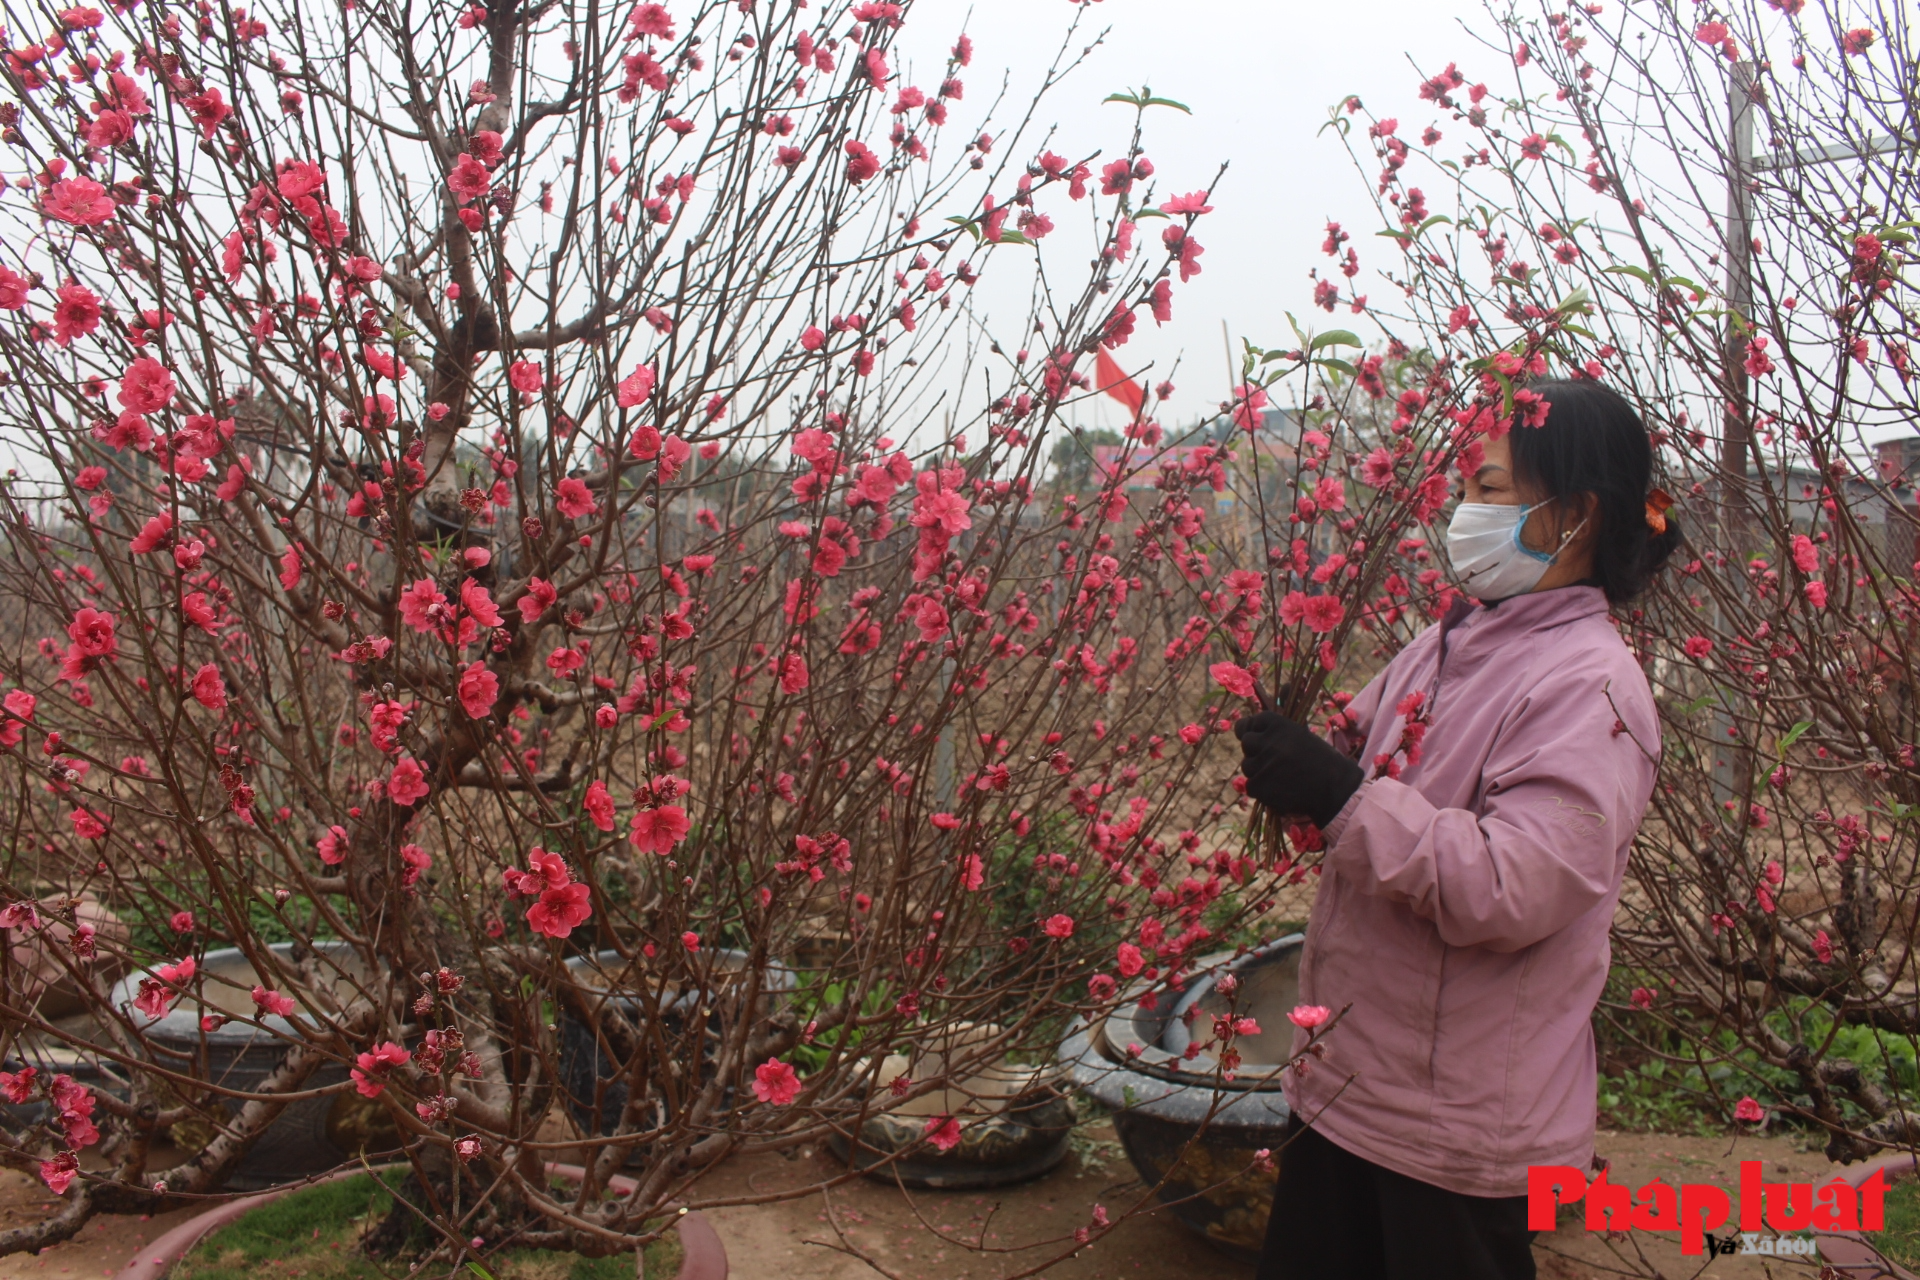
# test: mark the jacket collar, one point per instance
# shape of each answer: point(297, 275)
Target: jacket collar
point(1472, 633)
point(1535, 611)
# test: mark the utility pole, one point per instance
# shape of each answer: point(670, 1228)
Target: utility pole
point(1736, 442)
point(1736, 429)
point(944, 788)
point(1737, 434)
point(1737, 439)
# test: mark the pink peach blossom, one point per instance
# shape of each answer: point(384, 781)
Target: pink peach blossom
point(407, 786)
point(775, 1083)
point(658, 830)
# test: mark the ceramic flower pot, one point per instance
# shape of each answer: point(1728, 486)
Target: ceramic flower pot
point(310, 1136)
point(1013, 1123)
point(1178, 1119)
point(43, 977)
point(41, 982)
point(595, 1097)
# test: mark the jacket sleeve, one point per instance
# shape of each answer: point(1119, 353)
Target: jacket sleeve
point(1562, 794)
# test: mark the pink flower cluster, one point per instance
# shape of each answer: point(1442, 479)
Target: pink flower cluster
point(560, 904)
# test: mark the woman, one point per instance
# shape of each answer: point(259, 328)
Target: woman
point(1465, 896)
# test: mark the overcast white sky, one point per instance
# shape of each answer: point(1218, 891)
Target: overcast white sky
point(1259, 75)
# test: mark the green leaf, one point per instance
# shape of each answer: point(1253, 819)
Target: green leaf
point(1335, 338)
point(479, 1270)
point(1142, 100)
point(1149, 213)
point(971, 227)
point(1012, 237)
point(1574, 301)
point(1435, 219)
point(1793, 735)
point(1334, 362)
point(1506, 392)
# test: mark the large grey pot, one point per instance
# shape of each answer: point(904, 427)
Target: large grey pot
point(313, 1134)
point(594, 1096)
point(1177, 1119)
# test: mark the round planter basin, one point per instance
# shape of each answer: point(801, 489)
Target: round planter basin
point(596, 1097)
point(1014, 1123)
point(703, 1257)
point(310, 1136)
point(46, 987)
point(44, 980)
point(1176, 1117)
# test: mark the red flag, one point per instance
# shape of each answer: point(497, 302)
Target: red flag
point(1109, 378)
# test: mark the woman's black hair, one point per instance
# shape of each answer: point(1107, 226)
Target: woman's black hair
point(1593, 442)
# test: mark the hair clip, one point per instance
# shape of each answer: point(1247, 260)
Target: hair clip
point(1657, 503)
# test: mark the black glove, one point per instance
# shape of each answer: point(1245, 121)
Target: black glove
point(1291, 770)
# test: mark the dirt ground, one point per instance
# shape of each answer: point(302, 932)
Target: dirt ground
point(797, 1239)
point(101, 1249)
point(939, 1235)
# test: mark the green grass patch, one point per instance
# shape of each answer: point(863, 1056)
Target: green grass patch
point(1900, 1240)
point(1659, 1097)
point(315, 1234)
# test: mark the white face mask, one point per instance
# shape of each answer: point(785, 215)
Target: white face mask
point(1484, 547)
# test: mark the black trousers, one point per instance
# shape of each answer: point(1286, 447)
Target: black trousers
point(1338, 1217)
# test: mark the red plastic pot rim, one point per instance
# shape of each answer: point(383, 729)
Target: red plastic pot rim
point(703, 1257)
point(1850, 1252)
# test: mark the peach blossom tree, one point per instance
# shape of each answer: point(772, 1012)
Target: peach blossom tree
point(526, 546)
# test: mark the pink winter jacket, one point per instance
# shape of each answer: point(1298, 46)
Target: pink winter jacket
point(1463, 908)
